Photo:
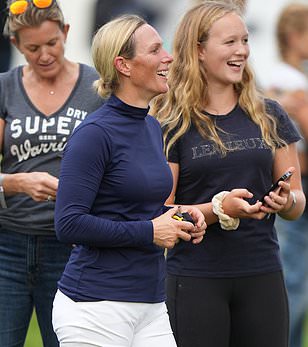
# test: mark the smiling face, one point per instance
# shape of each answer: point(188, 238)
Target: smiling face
point(149, 67)
point(43, 47)
point(225, 53)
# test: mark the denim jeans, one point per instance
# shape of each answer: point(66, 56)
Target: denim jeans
point(30, 267)
point(293, 238)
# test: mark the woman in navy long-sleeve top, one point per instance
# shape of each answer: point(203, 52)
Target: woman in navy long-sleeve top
point(113, 183)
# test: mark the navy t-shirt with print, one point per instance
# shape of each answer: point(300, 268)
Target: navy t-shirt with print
point(253, 247)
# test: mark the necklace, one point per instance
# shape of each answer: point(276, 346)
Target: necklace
point(51, 92)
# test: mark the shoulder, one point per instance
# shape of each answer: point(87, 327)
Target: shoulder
point(84, 90)
point(7, 77)
point(285, 126)
point(153, 120)
point(95, 118)
point(9, 87)
point(103, 118)
point(88, 71)
point(154, 125)
point(273, 107)
point(87, 75)
point(91, 132)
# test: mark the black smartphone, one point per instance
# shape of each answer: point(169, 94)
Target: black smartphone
point(284, 177)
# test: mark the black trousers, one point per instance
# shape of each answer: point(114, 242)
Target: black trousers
point(229, 312)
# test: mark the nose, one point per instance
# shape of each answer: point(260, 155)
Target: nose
point(44, 54)
point(167, 58)
point(243, 49)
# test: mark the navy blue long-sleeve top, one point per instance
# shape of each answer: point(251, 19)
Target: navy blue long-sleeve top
point(114, 179)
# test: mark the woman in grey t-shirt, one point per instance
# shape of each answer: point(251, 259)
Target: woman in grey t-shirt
point(41, 103)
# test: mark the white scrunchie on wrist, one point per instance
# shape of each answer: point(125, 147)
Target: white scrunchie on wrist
point(226, 222)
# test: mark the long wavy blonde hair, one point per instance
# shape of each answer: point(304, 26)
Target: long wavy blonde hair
point(188, 85)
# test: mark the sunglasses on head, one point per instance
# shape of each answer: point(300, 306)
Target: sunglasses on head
point(20, 6)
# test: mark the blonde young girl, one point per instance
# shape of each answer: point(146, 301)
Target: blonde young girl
point(225, 145)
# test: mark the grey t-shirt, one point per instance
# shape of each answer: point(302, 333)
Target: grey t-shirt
point(35, 142)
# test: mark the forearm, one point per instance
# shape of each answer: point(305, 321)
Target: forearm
point(84, 228)
point(13, 183)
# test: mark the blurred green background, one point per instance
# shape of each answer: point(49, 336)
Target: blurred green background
point(34, 337)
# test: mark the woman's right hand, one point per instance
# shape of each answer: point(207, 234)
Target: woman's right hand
point(235, 205)
point(167, 231)
point(40, 186)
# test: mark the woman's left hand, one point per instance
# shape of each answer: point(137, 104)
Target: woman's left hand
point(200, 224)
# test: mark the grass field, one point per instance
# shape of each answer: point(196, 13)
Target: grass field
point(34, 337)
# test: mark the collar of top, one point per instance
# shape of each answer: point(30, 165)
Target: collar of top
point(128, 110)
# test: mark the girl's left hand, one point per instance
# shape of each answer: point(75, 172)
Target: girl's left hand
point(277, 200)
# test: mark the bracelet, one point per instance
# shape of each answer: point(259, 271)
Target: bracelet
point(2, 197)
point(293, 203)
point(226, 222)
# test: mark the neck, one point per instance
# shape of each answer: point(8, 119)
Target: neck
point(131, 99)
point(62, 74)
point(221, 101)
point(64, 77)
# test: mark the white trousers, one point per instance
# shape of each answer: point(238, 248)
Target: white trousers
point(110, 323)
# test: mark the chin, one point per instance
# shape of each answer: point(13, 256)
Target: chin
point(160, 90)
point(237, 79)
point(52, 68)
point(164, 89)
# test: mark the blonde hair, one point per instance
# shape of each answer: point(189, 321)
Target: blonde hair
point(241, 4)
point(33, 17)
point(115, 38)
point(293, 18)
point(188, 85)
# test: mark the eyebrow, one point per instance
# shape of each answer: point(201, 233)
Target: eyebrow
point(236, 35)
point(36, 45)
point(156, 44)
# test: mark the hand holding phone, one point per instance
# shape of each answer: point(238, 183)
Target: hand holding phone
point(274, 186)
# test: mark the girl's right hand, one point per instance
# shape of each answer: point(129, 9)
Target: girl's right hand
point(235, 205)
